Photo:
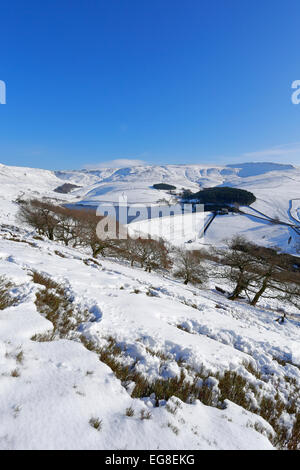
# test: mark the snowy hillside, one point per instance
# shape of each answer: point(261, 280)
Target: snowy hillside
point(88, 347)
point(161, 327)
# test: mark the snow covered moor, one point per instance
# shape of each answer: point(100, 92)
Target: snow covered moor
point(97, 352)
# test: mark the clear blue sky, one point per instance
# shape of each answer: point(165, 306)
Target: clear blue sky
point(164, 81)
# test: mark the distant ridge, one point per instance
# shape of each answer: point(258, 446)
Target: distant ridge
point(258, 168)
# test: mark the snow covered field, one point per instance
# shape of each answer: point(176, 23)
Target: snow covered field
point(178, 229)
point(55, 393)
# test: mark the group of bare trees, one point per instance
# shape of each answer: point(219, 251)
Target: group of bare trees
point(147, 253)
point(69, 226)
point(75, 228)
point(251, 270)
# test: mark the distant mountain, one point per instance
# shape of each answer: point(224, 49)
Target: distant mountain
point(259, 168)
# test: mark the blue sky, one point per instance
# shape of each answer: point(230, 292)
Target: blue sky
point(161, 81)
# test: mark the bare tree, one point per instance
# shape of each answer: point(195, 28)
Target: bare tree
point(259, 272)
point(88, 233)
point(157, 255)
point(128, 249)
point(189, 266)
point(39, 215)
point(273, 277)
point(69, 226)
point(29, 214)
point(239, 264)
point(149, 253)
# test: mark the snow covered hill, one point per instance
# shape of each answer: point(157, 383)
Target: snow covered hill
point(62, 389)
point(88, 347)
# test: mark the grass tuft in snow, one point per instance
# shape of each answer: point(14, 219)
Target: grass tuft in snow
point(211, 389)
point(129, 411)
point(6, 298)
point(145, 415)
point(39, 278)
point(183, 328)
point(15, 373)
point(233, 387)
point(173, 428)
point(171, 409)
point(96, 423)
point(20, 357)
point(253, 370)
point(294, 439)
point(60, 254)
point(160, 354)
point(54, 303)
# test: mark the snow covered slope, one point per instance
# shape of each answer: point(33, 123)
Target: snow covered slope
point(72, 394)
point(24, 183)
point(61, 388)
